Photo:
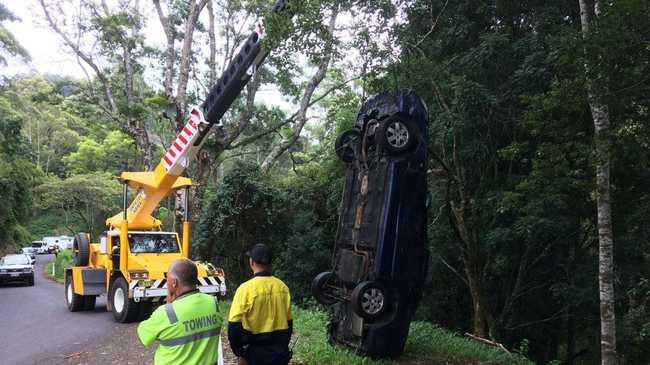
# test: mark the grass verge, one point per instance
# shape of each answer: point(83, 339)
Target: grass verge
point(426, 344)
point(62, 261)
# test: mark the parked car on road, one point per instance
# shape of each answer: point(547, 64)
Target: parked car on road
point(29, 252)
point(380, 253)
point(16, 268)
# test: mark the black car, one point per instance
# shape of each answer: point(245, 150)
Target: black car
point(16, 268)
point(380, 254)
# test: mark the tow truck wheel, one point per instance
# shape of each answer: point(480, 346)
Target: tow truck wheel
point(319, 290)
point(125, 310)
point(81, 249)
point(74, 301)
point(397, 135)
point(145, 310)
point(369, 300)
point(345, 144)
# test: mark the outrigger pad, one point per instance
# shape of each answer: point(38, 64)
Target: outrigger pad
point(381, 244)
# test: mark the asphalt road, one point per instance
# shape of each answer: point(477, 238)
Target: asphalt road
point(37, 328)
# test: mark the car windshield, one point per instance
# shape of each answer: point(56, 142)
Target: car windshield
point(15, 260)
point(153, 242)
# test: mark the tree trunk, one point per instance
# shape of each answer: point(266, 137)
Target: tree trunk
point(479, 318)
point(170, 54)
point(212, 62)
point(184, 68)
point(600, 115)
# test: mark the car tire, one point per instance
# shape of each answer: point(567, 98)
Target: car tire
point(89, 302)
point(81, 249)
point(125, 309)
point(369, 300)
point(31, 282)
point(74, 301)
point(397, 134)
point(346, 143)
point(318, 289)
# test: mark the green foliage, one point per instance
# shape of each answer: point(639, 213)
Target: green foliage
point(427, 343)
point(88, 199)
point(241, 213)
point(17, 176)
point(112, 155)
point(62, 261)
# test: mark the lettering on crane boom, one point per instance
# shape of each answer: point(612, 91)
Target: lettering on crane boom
point(137, 202)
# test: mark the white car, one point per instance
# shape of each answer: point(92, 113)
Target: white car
point(16, 268)
point(29, 252)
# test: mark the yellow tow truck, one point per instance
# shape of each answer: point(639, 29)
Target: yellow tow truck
point(129, 263)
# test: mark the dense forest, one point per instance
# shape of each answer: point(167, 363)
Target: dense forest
point(513, 90)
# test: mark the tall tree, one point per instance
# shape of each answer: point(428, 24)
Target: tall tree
point(117, 30)
point(307, 94)
point(8, 43)
point(596, 86)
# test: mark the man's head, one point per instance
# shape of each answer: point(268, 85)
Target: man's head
point(259, 257)
point(182, 277)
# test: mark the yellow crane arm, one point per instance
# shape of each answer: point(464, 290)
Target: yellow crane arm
point(153, 186)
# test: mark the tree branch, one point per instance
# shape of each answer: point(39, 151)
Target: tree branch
point(86, 58)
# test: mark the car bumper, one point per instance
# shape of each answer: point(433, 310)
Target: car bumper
point(209, 285)
point(16, 277)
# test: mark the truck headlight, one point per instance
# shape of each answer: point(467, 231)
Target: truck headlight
point(27, 270)
point(139, 275)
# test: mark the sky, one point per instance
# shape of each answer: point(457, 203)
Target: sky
point(50, 56)
point(41, 43)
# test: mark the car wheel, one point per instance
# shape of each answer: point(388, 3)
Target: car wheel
point(319, 288)
point(346, 144)
point(81, 249)
point(397, 134)
point(74, 301)
point(369, 300)
point(31, 281)
point(125, 310)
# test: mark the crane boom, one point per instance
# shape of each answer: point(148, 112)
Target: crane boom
point(153, 186)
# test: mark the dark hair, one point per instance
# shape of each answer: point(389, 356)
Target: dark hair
point(260, 254)
point(185, 272)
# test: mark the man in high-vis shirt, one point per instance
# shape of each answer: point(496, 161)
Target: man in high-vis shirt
point(188, 326)
point(259, 323)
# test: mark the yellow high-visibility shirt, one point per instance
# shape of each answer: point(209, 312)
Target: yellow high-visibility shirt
point(262, 305)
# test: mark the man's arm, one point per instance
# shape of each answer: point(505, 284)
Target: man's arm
point(237, 338)
point(149, 330)
point(236, 333)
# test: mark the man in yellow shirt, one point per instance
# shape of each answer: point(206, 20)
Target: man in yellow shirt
point(188, 326)
point(259, 323)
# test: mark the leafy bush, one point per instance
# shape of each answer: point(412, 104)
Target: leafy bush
point(62, 261)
